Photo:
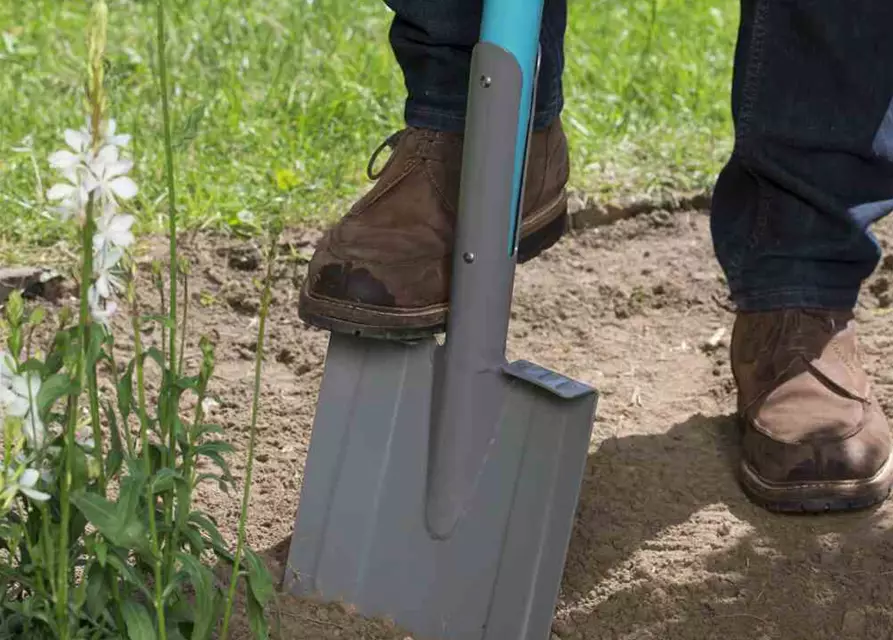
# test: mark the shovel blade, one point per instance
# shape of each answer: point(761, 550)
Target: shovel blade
point(360, 535)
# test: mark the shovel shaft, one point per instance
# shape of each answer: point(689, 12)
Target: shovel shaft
point(468, 394)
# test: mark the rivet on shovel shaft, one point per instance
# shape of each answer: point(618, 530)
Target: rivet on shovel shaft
point(486, 81)
point(468, 256)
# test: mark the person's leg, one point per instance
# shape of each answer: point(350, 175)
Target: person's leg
point(384, 269)
point(811, 170)
point(432, 41)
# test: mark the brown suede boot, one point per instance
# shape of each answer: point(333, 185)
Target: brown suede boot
point(383, 270)
point(814, 437)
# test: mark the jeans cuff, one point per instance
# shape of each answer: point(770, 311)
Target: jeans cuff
point(796, 298)
point(453, 122)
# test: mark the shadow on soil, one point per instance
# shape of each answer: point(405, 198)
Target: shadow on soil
point(647, 504)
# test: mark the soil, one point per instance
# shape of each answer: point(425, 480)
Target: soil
point(665, 545)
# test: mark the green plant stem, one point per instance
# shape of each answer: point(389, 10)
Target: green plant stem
point(93, 386)
point(119, 604)
point(249, 468)
point(188, 470)
point(171, 188)
point(169, 435)
point(80, 375)
point(50, 560)
point(124, 426)
point(185, 320)
point(39, 567)
point(147, 468)
point(159, 285)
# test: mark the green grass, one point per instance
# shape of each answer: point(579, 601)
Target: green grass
point(280, 102)
point(647, 93)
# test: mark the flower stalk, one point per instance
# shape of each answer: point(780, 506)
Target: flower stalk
point(266, 298)
point(84, 560)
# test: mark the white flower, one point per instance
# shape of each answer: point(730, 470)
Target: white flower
point(111, 138)
point(107, 177)
point(100, 311)
point(109, 135)
point(209, 405)
point(102, 176)
point(6, 370)
point(79, 140)
point(113, 230)
point(20, 401)
point(100, 293)
point(6, 377)
point(104, 260)
point(107, 285)
point(84, 437)
point(102, 315)
point(72, 199)
point(24, 484)
point(69, 162)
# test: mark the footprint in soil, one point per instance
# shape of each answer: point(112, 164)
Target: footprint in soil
point(667, 546)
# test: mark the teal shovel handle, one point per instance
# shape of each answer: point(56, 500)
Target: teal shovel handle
point(514, 25)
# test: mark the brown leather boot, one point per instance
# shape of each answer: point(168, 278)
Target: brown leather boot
point(383, 270)
point(814, 437)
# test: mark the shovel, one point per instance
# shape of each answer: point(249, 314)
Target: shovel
point(442, 481)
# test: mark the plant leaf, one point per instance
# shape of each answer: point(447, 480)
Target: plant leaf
point(138, 621)
point(213, 451)
point(97, 590)
point(205, 429)
point(187, 383)
point(218, 446)
point(156, 317)
point(53, 388)
point(203, 585)
point(205, 524)
point(257, 620)
point(125, 391)
point(115, 458)
point(117, 524)
point(195, 540)
point(259, 578)
point(97, 338)
point(128, 573)
point(164, 480)
point(174, 584)
point(101, 550)
point(189, 130)
point(154, 354)
point(132, 490)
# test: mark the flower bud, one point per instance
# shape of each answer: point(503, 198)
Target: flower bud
point(15, 309)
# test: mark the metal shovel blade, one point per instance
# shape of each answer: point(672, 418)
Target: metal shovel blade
point(441, 482)
point(361, 534)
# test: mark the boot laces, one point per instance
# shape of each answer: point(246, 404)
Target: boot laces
point(391, 142)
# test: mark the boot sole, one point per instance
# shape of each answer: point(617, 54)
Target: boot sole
point(817, 497)
point(389, 323)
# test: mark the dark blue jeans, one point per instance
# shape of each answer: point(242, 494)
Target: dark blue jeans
point(812, 102)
